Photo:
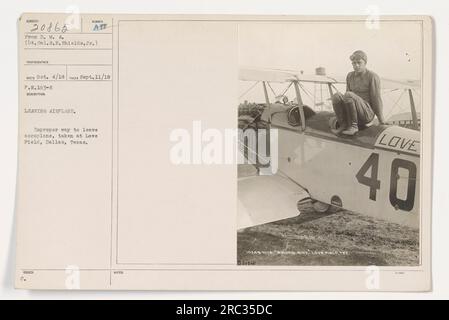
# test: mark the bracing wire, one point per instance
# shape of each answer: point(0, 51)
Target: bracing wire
point(395, 104)
point(248, 90)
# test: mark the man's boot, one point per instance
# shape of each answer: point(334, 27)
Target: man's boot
point(338, 131)
point(352, 130)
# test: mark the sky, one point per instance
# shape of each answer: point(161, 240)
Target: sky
point(393, 50)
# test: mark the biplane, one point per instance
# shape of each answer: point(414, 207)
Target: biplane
point(375, 172)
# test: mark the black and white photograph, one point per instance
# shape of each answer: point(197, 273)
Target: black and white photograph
point(224, 152)
point(330, 136)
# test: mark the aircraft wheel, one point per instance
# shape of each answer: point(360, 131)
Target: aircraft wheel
point(320, 207)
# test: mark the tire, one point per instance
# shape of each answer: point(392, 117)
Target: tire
point(321, 207)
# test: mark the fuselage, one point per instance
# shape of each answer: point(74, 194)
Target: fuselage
point(376, 172)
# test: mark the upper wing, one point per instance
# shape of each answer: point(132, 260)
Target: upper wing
point(284, 75)
point(279, 75)
point(399, 84)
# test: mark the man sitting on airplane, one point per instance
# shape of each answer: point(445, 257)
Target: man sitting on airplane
point(362, 100)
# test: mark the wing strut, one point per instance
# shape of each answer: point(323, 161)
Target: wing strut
point(267, 100)
point(300, 106)
point(413, 109)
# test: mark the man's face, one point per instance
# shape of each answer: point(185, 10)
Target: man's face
point(359, 65)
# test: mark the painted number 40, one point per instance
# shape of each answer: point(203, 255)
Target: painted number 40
point(370, 179)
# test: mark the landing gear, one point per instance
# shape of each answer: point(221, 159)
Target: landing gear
point(322, 207)
point(318, 206)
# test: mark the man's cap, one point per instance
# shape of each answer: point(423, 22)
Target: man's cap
point(359, 54)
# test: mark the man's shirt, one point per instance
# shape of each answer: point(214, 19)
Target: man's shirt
point(367, 86)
